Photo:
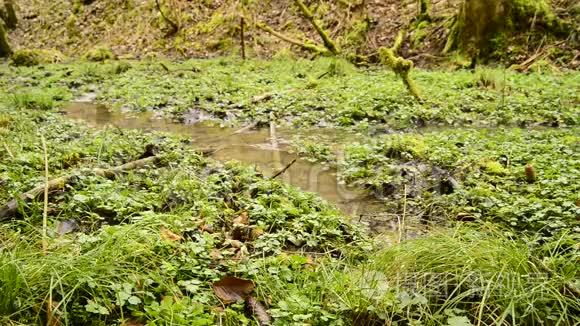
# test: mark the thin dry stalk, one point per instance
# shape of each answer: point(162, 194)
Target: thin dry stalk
point(401, 219)
point(45, 209)
point(8, 150)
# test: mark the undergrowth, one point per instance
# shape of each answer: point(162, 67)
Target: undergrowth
point(145, 247)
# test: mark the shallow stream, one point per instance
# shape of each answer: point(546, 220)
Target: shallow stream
point(253, 146)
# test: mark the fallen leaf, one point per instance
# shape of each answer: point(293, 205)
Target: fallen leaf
point(233, 243)
point(242, 219)
point(206, 228)
point(215, 254)
point(232, 289)
point(242, 252)
point(67, 226)
point(257, 309)
point(168, 235)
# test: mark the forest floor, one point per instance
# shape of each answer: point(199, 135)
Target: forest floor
point(485, 164)
point(137, 29)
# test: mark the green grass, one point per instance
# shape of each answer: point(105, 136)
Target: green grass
point(478, 277)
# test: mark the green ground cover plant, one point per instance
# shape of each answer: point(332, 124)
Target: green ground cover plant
point(487, 164)
point(311, 93)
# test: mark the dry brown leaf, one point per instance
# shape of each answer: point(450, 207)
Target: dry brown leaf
point(242, 252)
point(168, 235)
point(257, 309)
point(233, 243)
point(243, 219)
point(215, 254)
point(206, 228)
point(232, 289)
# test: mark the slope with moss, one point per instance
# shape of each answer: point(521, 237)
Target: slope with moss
point(209, 28)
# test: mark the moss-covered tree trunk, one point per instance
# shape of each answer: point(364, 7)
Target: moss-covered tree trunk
point(478, 22)
point(10, 14)
point(5, 50)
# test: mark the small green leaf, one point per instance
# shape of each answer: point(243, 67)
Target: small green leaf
point(134, 300)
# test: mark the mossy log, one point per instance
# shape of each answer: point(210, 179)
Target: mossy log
point(11, 208)
point(10, 14)
point(309, 45)
point(328, 43)
point(5, 50)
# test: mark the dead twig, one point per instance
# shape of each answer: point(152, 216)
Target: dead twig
point(283, 170)
point(8, 150)
point(45, 209)
point(245, 128)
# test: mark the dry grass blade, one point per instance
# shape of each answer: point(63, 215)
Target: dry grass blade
point(45, 209)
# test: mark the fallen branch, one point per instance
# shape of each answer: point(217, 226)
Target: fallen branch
point(308, 45)
point(402, 67)
point(328, 43)
point(11, 208)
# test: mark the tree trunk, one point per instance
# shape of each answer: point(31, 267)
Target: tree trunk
point(424, 8)
point(10, 14)
point(5, 50)
point(242, 41)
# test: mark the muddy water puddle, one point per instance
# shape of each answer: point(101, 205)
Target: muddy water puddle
point(255, 147)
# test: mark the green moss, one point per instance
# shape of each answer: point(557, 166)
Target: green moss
point(357, 33)
point(339, 68)
point(493, 167)
point(121, 67)
point(484, 28)
point(419, 33)
point(99, 54)
point(33, 57)
point(401, 67)
point(5, 120)
point(217, 19)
